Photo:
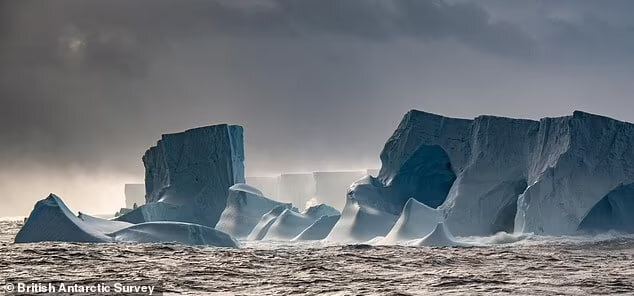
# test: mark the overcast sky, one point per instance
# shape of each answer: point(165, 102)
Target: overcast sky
point(87, 86)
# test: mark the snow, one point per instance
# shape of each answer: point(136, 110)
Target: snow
point(319, 229)
point(175, 232)
point(288, 225)
point(103, 225)
point(439, 237)
point(52, 220)
point(245, 206)
point(262, 227)
point(416, 221)
point(190, 173)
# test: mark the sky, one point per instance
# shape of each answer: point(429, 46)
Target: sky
point(86, 86)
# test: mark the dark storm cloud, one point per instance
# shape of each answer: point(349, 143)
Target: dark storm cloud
point(72, 70)
point(86, 86)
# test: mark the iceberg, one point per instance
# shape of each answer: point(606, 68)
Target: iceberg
point(416, 221)
point(188, 175)
point(439, 237)
point(262, 227)
point(501, 174)
point(613, 212)
point(319, 229)
point(245, 206)
point(366, 214)
point(175, 232)
point(290, 223)
point(52, 220)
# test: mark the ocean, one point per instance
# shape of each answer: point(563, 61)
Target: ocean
point(533, 266)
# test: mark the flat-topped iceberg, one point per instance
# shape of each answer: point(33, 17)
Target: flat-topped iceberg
point(494, 174)
point(188, 175)
point(52, 220)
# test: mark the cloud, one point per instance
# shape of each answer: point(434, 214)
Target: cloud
point(86, 86)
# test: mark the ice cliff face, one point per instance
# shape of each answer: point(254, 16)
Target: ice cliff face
point(188, 175)
point(613, 212)
point(495, 174)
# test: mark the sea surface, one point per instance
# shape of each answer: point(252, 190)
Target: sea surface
point(532, 266)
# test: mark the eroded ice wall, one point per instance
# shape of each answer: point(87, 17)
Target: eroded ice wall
point(188, 174)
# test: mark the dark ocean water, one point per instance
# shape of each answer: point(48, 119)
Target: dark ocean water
point(535, 266)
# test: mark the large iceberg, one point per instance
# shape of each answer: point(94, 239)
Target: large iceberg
point(245, 206)
point(283, 223)
point(188, 175)
point(498, 174)
point(52, 220)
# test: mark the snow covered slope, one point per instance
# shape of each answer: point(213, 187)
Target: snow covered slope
point(51, 220)
point(245, 206)
point(319, 229)
point(439, 237)
point(178, 232)
point(262, 227)
point(366, 215)
point(416, 221)
point(190, 173)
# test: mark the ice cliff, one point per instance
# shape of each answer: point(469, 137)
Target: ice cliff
point(494, 174)
point(188, 175)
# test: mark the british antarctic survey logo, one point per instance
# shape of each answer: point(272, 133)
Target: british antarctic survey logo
point(74, 288)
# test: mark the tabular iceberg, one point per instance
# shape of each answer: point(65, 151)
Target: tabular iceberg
point(188, 175)
point(510, 174)
point(245, 206)
point(52, 220)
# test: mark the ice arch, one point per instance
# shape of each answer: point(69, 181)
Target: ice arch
point(612, 212)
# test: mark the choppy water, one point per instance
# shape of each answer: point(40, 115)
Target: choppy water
point(536, 266)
